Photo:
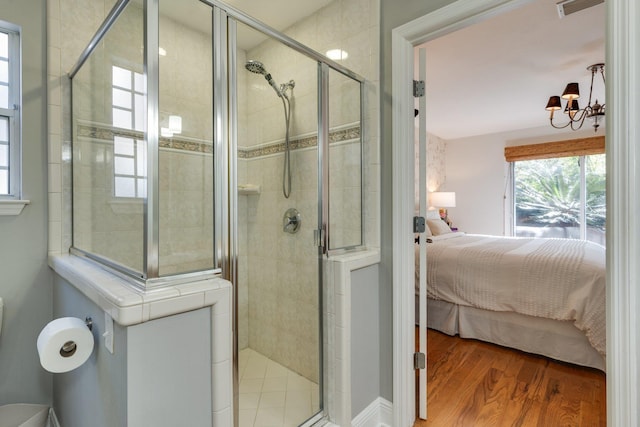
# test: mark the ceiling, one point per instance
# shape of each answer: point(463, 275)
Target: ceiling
point(277, 14)
point(491, 77)
point(497, 75)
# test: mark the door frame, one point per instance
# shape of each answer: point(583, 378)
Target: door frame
point(623, 185)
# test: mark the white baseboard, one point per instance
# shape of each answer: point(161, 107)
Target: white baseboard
point(378, 414)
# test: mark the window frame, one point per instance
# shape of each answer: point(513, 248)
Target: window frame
point(582, 160)
point(14, 112)
point(136, 141)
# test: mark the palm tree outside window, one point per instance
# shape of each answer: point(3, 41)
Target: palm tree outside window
point(561, 197)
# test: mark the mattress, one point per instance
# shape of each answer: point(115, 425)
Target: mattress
point(556, 281)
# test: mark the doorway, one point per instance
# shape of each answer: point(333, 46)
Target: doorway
point(621, 241)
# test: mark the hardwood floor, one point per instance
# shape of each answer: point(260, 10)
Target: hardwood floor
point(477, 384)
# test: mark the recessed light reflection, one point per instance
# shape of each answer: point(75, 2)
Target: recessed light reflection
point(337, 54)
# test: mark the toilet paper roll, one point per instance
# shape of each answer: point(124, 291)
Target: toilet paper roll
point(64, 344)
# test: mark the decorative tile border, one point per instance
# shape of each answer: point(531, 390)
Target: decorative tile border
point(336, 136)
point(107, 133)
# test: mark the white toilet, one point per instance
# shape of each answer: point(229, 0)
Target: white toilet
point(22, 414)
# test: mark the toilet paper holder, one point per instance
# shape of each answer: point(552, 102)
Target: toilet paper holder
point(69, 348)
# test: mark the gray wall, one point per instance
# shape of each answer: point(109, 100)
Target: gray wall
point(365, 339)
point(393, 14)
point(25, 283)
point(96, 392)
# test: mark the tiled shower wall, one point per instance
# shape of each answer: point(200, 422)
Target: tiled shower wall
point(278, 304)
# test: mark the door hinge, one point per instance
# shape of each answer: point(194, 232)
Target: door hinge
point(419, 224)
point(318, 237)
point(418, 88)
point(419, 361)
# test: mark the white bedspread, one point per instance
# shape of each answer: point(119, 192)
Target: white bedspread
point(554, 278)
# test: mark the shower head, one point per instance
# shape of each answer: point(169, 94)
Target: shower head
point(258, 68)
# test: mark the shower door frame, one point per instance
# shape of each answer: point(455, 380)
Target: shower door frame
point(225, 45)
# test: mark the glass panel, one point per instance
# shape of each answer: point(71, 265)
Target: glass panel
point(547, 198)
point(4, 71)
point(4, 129)
point(101, 136)
point(278, 276)
point(4, 45)
point(123, 166)
point(596, 203)
point(121, 118)
point(185, 159)
point(4, 181)
point(139, 108)
point(4, 155)
point(121, 77)
point(345, 162)
point(123, 146)
point(122, 98)
point(125, 187)
point(4, 96)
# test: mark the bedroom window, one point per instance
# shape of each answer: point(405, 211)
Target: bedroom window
point(561, 197)
point(9, 111)
point(559, 189)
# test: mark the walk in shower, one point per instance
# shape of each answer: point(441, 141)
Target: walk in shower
point(206, 143)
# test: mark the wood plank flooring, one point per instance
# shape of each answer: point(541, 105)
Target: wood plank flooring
point(476, 384)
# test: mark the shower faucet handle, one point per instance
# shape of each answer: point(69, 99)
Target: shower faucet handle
point(291, 221)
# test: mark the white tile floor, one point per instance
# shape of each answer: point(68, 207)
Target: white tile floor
point(270, 395)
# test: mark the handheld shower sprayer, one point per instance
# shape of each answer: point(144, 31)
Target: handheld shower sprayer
point(258, 68)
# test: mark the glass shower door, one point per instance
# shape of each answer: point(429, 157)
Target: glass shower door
point(278, 274)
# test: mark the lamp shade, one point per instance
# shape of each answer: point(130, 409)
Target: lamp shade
point(572, 108)
point(572, 91)
point(442, 199)
point(553, 104)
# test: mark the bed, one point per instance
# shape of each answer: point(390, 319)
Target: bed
point(542, 296)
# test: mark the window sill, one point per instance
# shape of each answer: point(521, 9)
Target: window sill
point(12, 207)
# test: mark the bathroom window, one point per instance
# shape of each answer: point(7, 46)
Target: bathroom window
point(129, 152)
point(9, 111)
point(128, 99)
point(130, 167)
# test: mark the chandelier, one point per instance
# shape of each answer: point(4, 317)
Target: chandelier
point(575, 114)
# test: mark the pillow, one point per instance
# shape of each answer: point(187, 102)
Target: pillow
point(438, 227)
point(427, 231)
point(433, 214)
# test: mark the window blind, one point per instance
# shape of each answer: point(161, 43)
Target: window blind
point(548, 150)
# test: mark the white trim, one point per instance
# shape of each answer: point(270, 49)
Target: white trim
point(403, 206)
point(623, 228)
point(379, 413)
point(338, 315)
point(12, 207)
point(623, 236)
